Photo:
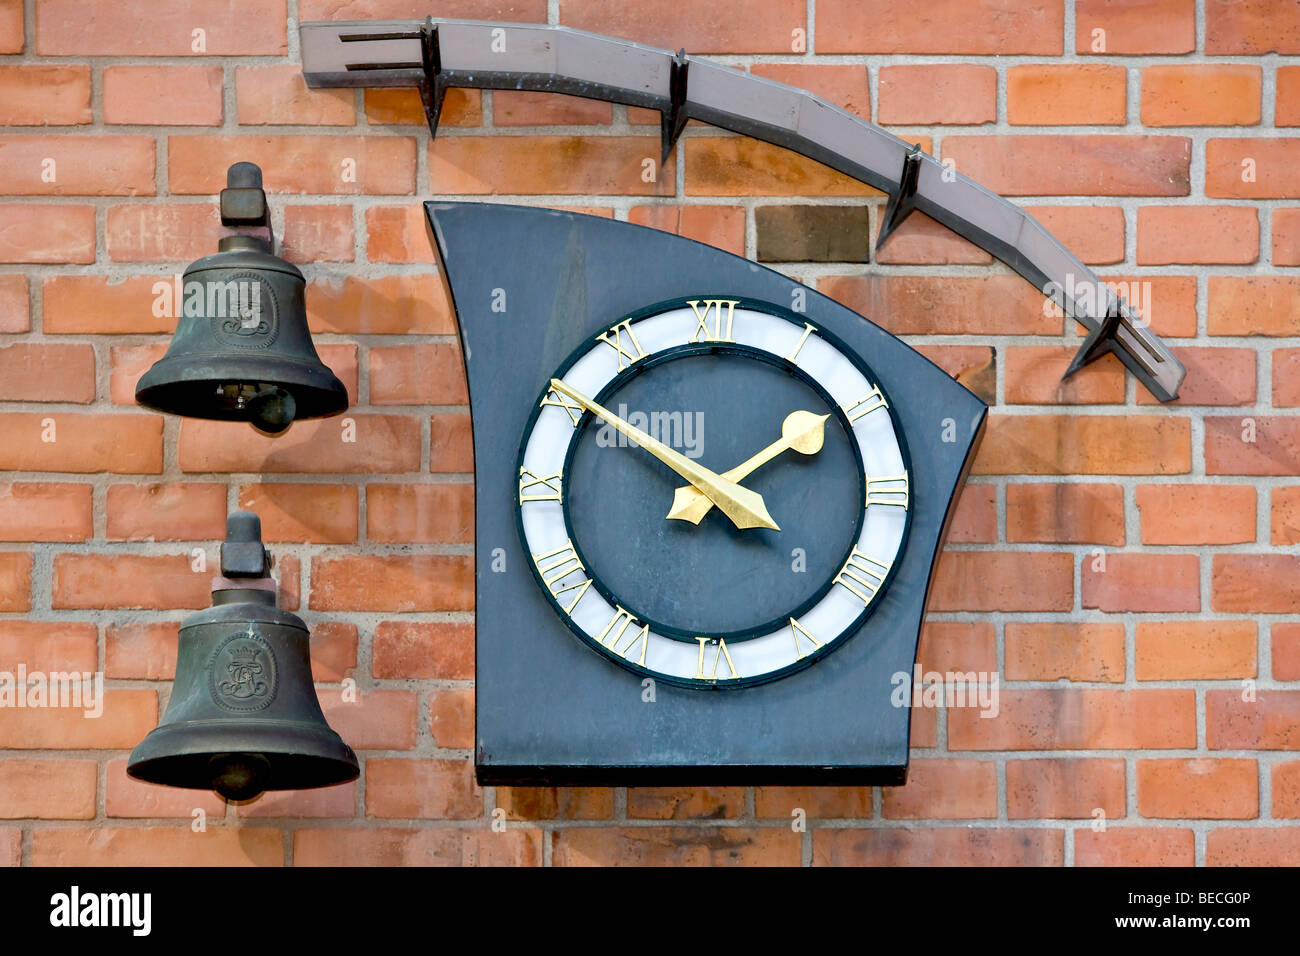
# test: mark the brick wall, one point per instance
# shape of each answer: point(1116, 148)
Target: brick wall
point(1124, 566)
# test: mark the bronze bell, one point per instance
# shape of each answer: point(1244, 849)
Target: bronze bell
point(242, 350)
point(243, 715)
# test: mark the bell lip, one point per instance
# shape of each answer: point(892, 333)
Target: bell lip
point(302, 757)
point(172, 384)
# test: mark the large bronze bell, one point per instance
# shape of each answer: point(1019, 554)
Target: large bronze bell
point(243, 715)
point(242, 350)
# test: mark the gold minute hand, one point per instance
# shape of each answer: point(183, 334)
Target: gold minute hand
point(745, 508)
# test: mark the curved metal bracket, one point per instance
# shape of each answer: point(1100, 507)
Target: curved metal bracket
point(437, 54)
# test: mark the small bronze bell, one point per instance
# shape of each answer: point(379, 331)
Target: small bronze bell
point(243, 715)
point(242, 350)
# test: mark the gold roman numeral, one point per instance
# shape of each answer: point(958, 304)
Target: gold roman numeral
point(722, 321)
point(890, 490)
point(617, 627)
point(862, 575)
point(808, 330)
point(717, 657)
point(865, 405)
point(560, 401)
point(614, 339)
point(795, 630)
point(539, 487)
point(556, 568)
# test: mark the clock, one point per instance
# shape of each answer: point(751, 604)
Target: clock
point(708, 506)
point(713, 491)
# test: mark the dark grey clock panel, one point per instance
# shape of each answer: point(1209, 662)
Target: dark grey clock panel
point(533, 288)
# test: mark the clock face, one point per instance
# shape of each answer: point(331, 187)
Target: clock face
point(713, 492)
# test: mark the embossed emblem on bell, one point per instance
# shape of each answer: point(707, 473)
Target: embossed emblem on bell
point(243, 715)
point(242, 350)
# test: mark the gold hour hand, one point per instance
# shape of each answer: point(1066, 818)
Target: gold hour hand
point(745, 508)
point(802, 431)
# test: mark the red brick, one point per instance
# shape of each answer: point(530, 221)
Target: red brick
point(1003, 581)
point(1269, 722)
point(958, 646)
point(949, 26)
point(1197, 235)
point(1089, 94)
point(419, 582)
point(42, 646)
point(163, 95)
point(842, 86)
point(1069, 165)
point(975, 520)
point(818, 803)
point(439, 651)
point(1285, 787)
point(15, 581)
point(1065, 650)
point(1063, 789)
point(451, 717)
point(141, 650)
point(1035, 376)
point(83, 443)
point(417, 375)
point(685, 803)
point(948, 846)
point(919, 240)
point(527, 108)
point(1284, 516)
point(1256, 583)
point(378, 720)
point(318, 234)
point(293, 511)
point(128, 715)
point(568, 165)
point(1143, 582)
point(96, 305)
point(1135, 26)
point(127, 797)
point(174, 232)
point(944, 790)
point(1079, 719)
point(45, 511)
point(1286, 231)
point(1276, 168)
point(277, 95)
point(142, 28)
point(1085, 445)
point(384, 443)
point(128, 581)
point(676, 846)
point(1252, 846)
point(944, 93)
point(336, 801)
point(1286, 651)
point(157, 846)
point(397, 234)
point(401, 788)
point(47, 233)
point(383, 165)
point(333, 651)
point(423, 514)
point(720, 226)
point(403, 108)
point(974, 366)
point(11, 31)
point(129, 363)
point(1214, 377)
point(1135, 846)
point(1201, 95)
point(451, 448)
point(13, 304)
point(1251, 26)
point(1093, 233)
point(944, 305)
point(1065, 513)
point(1198, 788)
point(44, 95)
point(390, 305)
point(734, 166)
point(750, 26)
point(1275, 449)
point(559, 803)
point(166, 512)
point(1169, 302)
point(31, 372)
point(392, 847)
point(82, 165)
point(1254, 305)
point(1197, 514)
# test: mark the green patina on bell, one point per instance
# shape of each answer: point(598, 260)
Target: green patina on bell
point(242, 350)
point(243, 715)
